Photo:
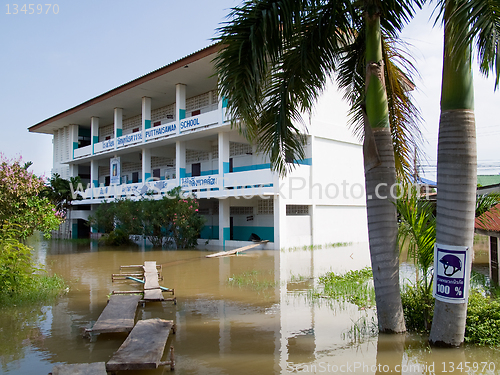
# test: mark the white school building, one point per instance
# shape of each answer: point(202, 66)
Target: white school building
point(170, 128)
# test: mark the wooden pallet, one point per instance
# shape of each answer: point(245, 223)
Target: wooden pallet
point(118, 315)
point(97, 368)
point(236, 251)
point(144, 347)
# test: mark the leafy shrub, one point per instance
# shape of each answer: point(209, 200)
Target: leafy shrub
point(483, 320)
point(418, 308)
point(20, 280)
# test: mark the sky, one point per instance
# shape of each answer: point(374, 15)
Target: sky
point(52, 62)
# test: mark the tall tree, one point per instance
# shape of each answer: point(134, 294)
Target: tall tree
point(467, 24)
point(276, 57)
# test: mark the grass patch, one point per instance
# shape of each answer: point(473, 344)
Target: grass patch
point(253, 280)
point(37, 288)
point(316, 247)
point(355, 287)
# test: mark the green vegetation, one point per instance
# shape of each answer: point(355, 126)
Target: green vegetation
point(355, 287)
point(483, 311)
point(316, 247)
point(21, 203)
point(254, 280)
point(172, 220)
point(22, 211)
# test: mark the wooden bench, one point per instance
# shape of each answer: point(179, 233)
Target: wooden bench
point(118, 315)
point(144, 347)
point(97, 368)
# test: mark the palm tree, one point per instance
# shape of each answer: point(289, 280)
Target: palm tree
point(60, 193)
point(467, 24)
point(275, 59)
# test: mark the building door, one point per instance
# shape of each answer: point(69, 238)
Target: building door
point(231, 228)
point(230, 165)
point(195, 169)
point(135, 177)
point(494, 259)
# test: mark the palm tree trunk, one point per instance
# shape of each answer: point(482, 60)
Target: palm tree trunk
point(380, 177)
point(456, 179)
point(456, 184)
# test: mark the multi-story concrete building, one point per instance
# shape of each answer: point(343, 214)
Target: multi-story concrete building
point(169, 128)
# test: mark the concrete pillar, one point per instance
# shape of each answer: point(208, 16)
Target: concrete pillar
point(180, 159)
point(118, 123)
point(73, 136)
point(223, 153)
point(73, 170)
point(146, 164)
point(224, 234)
point(180, 101)
point(94, 175)
point(146, 114)
point(94, 131)
point(279, 208)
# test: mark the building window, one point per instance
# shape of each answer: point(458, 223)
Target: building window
point(240, 211)
point(135, 177)
point(265, 207)
point(156, 174)
point(297, 210)
point(195, 169)
point(135, 130)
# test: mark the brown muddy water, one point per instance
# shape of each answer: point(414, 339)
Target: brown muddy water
point(247, 314)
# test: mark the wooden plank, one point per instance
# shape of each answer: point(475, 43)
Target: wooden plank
point(152, 290)
point(96, 368)
point(238, 250)
point(144, 346)
point(118, 315)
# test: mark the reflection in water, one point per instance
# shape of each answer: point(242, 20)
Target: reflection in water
point(262, 321)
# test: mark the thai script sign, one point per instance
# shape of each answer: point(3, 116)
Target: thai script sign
point(102, 146)
point(199, 182)
point(129, 138)
point(451, 268)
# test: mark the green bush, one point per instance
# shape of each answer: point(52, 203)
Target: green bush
point(20, 281)
point(174, 219)
point(483, 320)
point(418, 308)
point(483, 315)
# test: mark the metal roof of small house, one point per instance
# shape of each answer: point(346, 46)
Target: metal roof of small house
point(487, 180)
point(490, 220)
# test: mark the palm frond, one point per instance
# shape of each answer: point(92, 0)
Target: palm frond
point(404, 116)
point(483, 17)
point(270, 85)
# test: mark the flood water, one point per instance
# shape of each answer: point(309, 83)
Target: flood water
point(244, 314)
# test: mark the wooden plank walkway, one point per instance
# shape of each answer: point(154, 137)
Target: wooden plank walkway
point(97, 368)
point(144, 347)
point(118, 315)
point(235, 251)
point(152, 290)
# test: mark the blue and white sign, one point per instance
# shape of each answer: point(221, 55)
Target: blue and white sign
point(161, 131)
point(128, 139)
point(114, 167)
point(199, 182)
point(451, 273)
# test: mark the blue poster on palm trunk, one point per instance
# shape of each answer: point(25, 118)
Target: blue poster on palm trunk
point(451, 273)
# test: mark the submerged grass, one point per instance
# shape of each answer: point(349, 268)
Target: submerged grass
point(316, 247)
point(40, 287)
point(355, 287)
point(254, 280)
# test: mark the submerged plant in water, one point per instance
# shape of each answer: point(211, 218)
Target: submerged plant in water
point(355, 287)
